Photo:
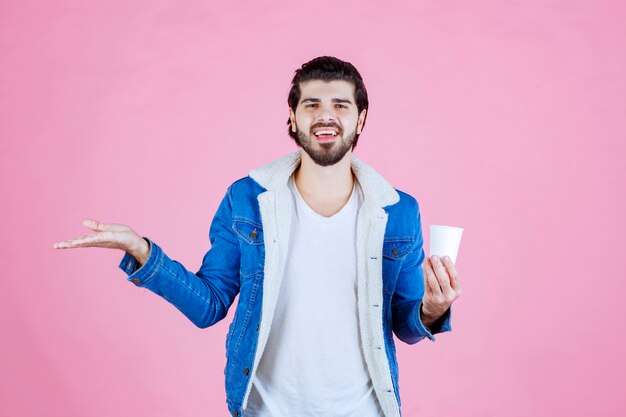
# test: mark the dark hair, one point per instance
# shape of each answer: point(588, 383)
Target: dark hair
point(327, 68)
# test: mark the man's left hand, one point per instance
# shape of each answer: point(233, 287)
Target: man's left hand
point(441, 288)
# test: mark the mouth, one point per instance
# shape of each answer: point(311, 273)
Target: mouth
point(325, 134)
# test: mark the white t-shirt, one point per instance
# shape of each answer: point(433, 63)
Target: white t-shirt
point(313, 364)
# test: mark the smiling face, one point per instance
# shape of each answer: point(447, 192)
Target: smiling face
point(326, 120)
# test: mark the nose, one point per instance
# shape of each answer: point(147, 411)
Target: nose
point(326, 115)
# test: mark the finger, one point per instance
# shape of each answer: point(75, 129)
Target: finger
point(441, 274)
point(94, 225)
point(94, 239)
point(105, 227)
point(431, 278)
point(70, 243)
point(427, 288)
point(65, 244)
point(452, 272)
point(60, 245)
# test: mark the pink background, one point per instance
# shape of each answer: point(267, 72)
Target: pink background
point(505, 118)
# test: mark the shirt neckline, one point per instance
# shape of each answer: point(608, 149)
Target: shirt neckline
point(308, 208)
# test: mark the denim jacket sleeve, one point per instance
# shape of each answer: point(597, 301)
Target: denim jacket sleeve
point(203, 297)
point(406, 302)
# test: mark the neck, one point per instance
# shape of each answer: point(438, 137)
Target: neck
point(329, 182)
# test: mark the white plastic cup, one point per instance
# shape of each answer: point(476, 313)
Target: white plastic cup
point(445, 241)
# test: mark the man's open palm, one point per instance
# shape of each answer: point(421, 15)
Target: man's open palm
point(113, 236)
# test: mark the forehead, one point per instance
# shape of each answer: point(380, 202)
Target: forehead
point(326, 89)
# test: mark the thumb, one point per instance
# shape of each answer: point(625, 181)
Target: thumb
point(94, 225)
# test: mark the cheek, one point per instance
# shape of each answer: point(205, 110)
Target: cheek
point(351, 122)
point(303, 122)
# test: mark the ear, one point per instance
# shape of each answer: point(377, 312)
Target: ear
point(359, 125)
point(292, 119)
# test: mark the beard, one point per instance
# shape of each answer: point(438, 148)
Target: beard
point(326, 153)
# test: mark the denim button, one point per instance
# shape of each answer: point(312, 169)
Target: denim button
point(137, 281)
point(246, 371)
point(253, 234)
point(235, 413)
point(394, 251)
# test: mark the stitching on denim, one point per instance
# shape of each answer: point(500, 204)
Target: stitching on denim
point(155, 267)
point(231, 357)
point(229, 374)
point(399, 257)
point(244, 325)
point(417, 320)
point(187, 285)
point(401, 254)
point(247, 220)
point(230, 336)
point(399, 239)
point(230, 198)
point(256, 271)
point(247, 239)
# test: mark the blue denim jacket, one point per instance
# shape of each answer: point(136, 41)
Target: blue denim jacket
point(249, 236)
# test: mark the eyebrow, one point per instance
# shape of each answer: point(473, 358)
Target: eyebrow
point(334, 100)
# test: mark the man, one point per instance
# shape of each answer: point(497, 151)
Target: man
point(327, 260)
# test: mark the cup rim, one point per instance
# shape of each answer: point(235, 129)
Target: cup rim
point(447, 227)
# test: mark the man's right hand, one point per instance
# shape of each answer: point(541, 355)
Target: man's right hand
point(113, 236)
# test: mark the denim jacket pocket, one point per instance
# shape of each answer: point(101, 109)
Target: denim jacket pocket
point(395, 249)
point(250, 235)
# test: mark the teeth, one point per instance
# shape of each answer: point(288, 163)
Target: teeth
point(325, 132)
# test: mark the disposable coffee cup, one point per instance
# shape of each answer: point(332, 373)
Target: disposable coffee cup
point(445, 241)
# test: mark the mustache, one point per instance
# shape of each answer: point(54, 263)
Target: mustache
point(333, 125)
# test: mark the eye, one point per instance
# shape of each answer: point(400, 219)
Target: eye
point(342, 106)
point(310, 105)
